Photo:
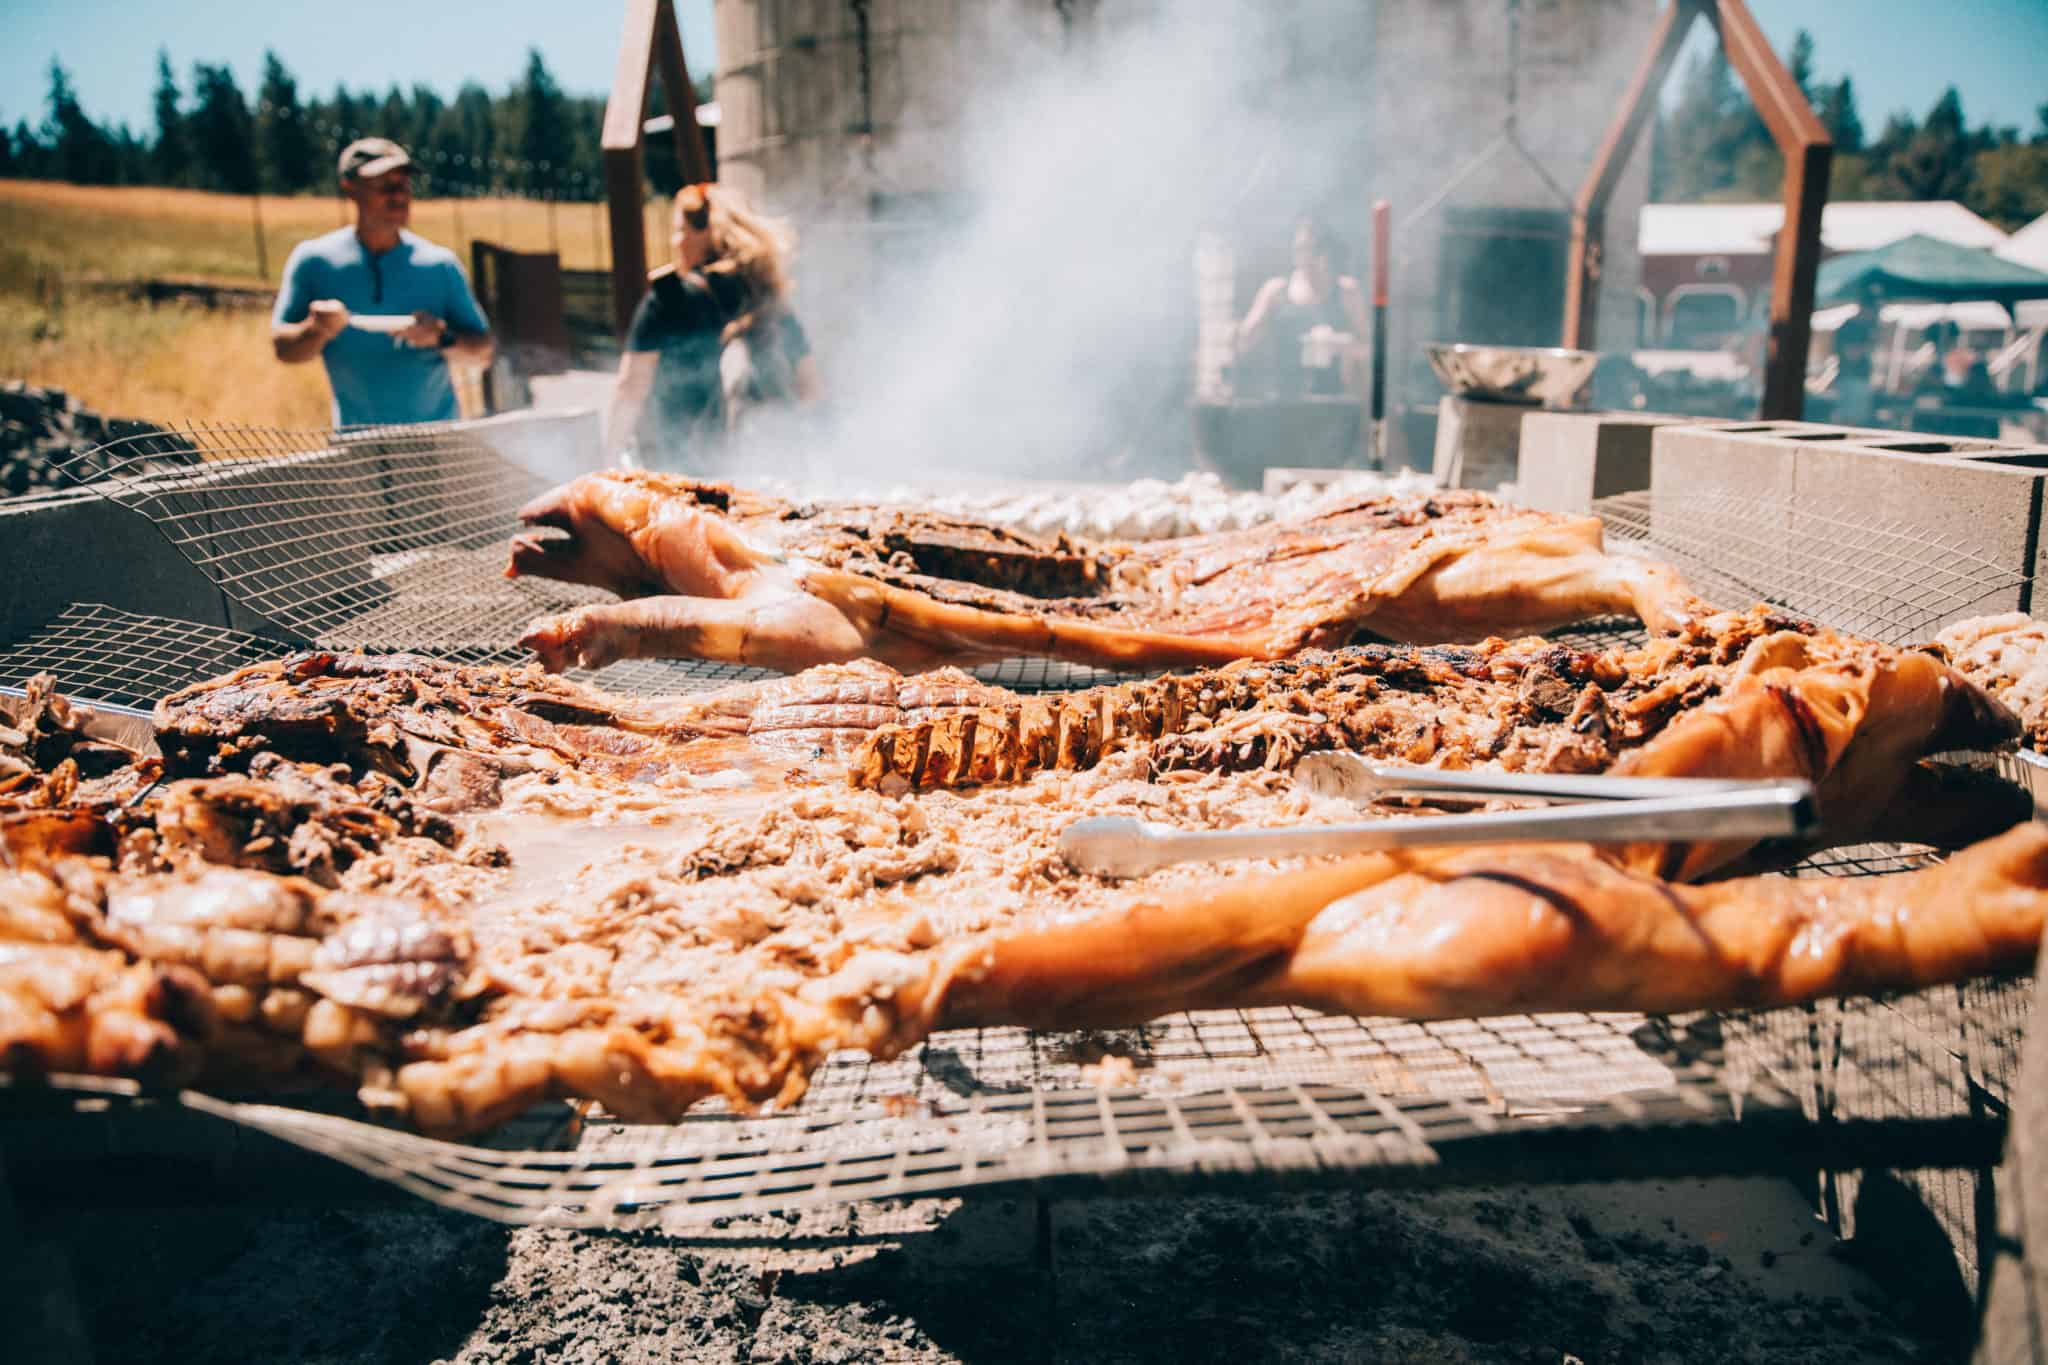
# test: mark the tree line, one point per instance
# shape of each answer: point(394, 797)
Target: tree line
point(1710, 145)
point(534, 139)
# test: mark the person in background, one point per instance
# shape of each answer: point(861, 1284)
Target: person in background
point(412, 300)
point(1855, 389)
point(1314, 316)
point(714, 336)
point(1958, 376)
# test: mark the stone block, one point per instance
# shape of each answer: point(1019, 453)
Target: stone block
point(1569, 459)
point(1477, 442)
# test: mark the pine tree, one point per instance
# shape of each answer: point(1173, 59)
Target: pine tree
point(81, 150)
point(223, 133)
point(1838, 114)
point(171, 157)
point(1932, 161)
point(31, 158)
point(541, 136)
point(9, 166)
point(285, 153)
point(394, 116)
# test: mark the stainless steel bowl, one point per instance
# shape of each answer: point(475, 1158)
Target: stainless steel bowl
point(1549, 375)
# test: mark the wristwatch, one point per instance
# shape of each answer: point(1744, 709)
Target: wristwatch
point(446, 339)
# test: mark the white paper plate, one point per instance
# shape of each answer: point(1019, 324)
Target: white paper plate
point(389, 324)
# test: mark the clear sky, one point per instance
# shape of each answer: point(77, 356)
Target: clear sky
point(1900, 52)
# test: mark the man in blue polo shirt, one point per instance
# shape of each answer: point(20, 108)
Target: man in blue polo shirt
point(384, 369)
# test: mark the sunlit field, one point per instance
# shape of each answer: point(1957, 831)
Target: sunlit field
point(185, 362)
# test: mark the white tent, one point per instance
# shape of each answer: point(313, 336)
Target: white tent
point(2028, 246)
point(1851, 225)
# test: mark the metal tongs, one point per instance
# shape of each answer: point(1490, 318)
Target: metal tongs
point(1612, 810)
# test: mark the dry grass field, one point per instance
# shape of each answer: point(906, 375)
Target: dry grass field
point(182, 362)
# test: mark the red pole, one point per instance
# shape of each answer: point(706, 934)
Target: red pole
point(1382, 235)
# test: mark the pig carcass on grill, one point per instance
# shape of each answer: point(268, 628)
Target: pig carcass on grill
point(459, 891)
point(714, 572)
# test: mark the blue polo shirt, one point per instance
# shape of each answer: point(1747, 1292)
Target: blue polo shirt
point(374, 379)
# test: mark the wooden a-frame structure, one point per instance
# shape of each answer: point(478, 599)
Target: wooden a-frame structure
point(1808, 152)
point(651, 37)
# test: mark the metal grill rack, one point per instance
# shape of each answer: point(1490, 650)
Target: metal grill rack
point(1271, 1095)
point(103, 654)
point(392, 539)
point(1883, 579)
point(383, 539)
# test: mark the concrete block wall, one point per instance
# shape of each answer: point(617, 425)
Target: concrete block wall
point(1853, 525)
point(1568, 460)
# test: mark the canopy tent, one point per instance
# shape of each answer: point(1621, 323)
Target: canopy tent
point(2028, 246)
point(1977, 314)
point(1923, 269)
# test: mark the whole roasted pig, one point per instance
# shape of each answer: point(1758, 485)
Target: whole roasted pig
point(714, 572)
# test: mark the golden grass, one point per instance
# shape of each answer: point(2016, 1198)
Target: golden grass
point(178, 362)
point(169, 363)
point(128, 233)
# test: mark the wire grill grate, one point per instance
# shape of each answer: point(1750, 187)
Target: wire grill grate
point(1882, 578)
point(1267, 1095)
point(393, 539)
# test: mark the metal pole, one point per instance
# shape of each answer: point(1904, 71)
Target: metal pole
point(554, 236)
point(461, 248)
point(1382, 233)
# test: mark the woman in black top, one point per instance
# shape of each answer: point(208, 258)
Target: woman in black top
point(1314, 294)
point(714, 335)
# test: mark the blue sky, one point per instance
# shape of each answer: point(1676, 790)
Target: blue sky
point(1900, 52)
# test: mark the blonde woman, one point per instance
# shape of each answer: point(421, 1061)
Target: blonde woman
point(714, 335)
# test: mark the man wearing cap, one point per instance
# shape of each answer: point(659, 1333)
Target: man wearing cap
point(384, 369)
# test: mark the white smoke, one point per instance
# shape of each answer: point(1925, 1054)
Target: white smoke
point(1051, 333)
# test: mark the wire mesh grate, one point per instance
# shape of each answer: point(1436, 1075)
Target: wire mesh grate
point(1273, 1095)
point(102, 654)
point(393, 539)
point(390, 539)
point(1881, 578)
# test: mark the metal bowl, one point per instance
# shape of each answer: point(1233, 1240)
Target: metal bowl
point(1549, 375)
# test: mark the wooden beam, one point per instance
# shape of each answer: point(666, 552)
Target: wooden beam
point(1809, 153)
point(1779, 100)
point(625, 183)
point(1792, 281)
point(680, 95)
point(651, 37)
point(625, 110)
point(1589, 220)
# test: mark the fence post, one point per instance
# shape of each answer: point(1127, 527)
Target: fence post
point(262, 251)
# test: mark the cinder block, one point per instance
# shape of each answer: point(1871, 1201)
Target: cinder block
point(1476, 442)
point(1958, 538)
point(1721, 506)
point(1889, 533)
point(1569, 459)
